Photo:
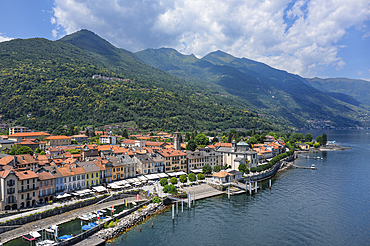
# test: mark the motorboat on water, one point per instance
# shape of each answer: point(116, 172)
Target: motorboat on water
point(87, 217)
point(313, 166)
point(33, 235)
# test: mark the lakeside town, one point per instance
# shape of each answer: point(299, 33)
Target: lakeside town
point(65, 169)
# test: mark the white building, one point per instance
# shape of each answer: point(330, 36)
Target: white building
point(238, 153)
point(107, 139)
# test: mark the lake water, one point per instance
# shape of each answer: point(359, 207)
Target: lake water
point(327, 206)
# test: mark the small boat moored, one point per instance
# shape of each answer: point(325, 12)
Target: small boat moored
point(33, 235)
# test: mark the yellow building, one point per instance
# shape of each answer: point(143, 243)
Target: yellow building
point(58, 140)
point(92, 177)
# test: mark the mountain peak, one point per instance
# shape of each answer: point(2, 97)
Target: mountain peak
point(88, 40)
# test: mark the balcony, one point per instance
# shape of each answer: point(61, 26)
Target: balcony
point(30, 189)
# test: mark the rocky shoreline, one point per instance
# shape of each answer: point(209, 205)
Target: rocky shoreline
point(130, 220)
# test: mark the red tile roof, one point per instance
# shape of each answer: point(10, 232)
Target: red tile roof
point(22, 175)
point(29, 134)
point(58, 137)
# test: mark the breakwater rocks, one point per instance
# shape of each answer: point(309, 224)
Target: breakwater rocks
point(130, 220)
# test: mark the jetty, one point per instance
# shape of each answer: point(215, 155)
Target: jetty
point(312, 167)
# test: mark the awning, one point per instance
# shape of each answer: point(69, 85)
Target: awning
point(181, 173)
point(142, 178)
point(173, 174)
point(136, 179)
point(162, 175)
point(152, 176)
point(114, 186)
point(99, 188)
point(196, 171)
point(130, 181)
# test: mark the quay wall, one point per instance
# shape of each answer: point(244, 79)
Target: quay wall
point(86, 234)
point(270, 172)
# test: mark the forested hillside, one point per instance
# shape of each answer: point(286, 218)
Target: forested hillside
point(44, 84)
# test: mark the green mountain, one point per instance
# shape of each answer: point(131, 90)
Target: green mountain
point(355, 90)
point(44, 84)
point(270, 91)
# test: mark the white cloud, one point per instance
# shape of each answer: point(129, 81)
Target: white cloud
point(54, 33)
point(298, 36)
point(360, 72)
point(3, 39)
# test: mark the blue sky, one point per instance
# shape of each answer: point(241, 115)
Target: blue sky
point(311, 38)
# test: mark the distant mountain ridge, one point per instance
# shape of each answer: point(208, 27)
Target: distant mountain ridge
point(357, 89)
point(274, 92)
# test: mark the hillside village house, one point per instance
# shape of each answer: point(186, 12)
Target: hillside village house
point(18, 129)
point(238, 153)
point(74, 177)
point(92, 177)
point(18, 137)
point(58, 140)
point(46, 187)
point(58, 178)
point(107, 139)
point(6, 144)
point(80, 138)
point(123, 167)
point(158, 163)
point(144, 163)
point(33, 144)
point(174, 160)
point(28, 189)
point(8, 190)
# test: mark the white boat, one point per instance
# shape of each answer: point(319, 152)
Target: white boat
point(313, 166)
point(86, 217)
point(46, 242)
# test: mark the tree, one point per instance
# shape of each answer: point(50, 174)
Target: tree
point(201, 139)
point(125, 133)
point(252, 140)
point(225, 167)
point(216, 169)
point(169, 189)
point(20, 150)
point(42, 153)
point(191, 145)
point(60, 130)
point(242, 168)
point(223, 139)
point(156, 200)
point(319, 139)
point(38, 150)
point(70, 131)
point(183, 178)
point(308, 137)
point(200, 176)
point(324, 139)
point(173, 180)
point(192, 177)
point(207, 169)
point(163, 181)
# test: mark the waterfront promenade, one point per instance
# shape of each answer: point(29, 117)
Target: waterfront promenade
point(57, 219)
